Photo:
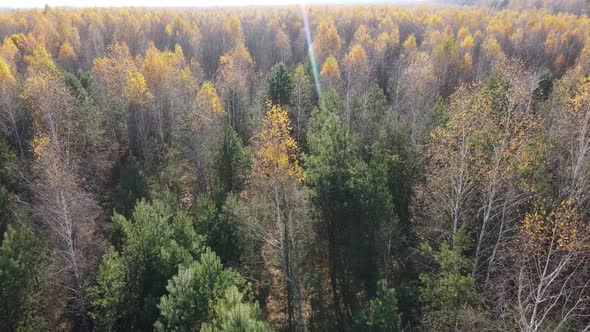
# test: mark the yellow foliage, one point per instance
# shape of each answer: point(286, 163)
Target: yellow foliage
point(563, 227)
point(283, 45)
point(208, 95)
point(41, 62)
point(410, 44)
point(330, 71)
point(394, 36)
point(326, 40)
point(209, 108)
point(356, 55)
point(136, 90)
point(233, 30)
point(40, 143)
point(494, 50)
point(241, 56)
point(6, 76)
point(467, 43)
point(169, 29)
point(111, 72)
point(551, 43)
point(581, 98)
point(154, 68)
point(463, 33)
point(8, 50)
point(66, 52)
point(276, 150)
point(362, 37)
point(467, 61)
point(178, 56)
point(187, 79)
point(356, 61)
point(382, 42)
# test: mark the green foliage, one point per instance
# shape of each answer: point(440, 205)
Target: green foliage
point(219, 227)
point(331, 100)
point(7, 183)
point(314, 284)
point(92, 127)
point(440, 115)
point(279, 84)
point(450, 290)
point(155, 241)
point(22, 255)
point(544, 86)
point(381, 314)
point(112, 299)
point(234, 161)
point(192, 293)
point(166, 180)
point(377, 110)
point(352, 199)
point(332, 164)
point(497, 88)
point(233, 314)
point(132, 187)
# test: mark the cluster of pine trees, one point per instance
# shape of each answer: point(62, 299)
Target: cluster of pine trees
point(372, 168)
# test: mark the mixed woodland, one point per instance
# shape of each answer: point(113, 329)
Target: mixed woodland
point(320, 168)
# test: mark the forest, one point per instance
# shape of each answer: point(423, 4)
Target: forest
point(296, 168)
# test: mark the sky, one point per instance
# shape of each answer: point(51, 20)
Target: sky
point(169, 3)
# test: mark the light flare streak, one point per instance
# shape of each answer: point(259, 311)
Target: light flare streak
point(314, 65)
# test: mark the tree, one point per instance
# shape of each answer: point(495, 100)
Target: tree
point(381, 314)
point(22, 256)
point(550, 268)
point(193, 292)
point(109, 76)
point(450, 291)
point(139, 100)
point(220, 228)
point(279, 85)
point(154, 242)
point(347, 194)
point(12, 115)
point(330, 73)
point(446, 59)
point(186, 34)
point(282, 44)
point(573, 140)
point(417, 91)
point(483, 157)
point(301, 100)
point(326, 41)
point(357, 80)
point(276, 182)
point(233, 77)
point(97, 156)
point(232, 313)
point(68, 214)
point(60, 203)
point(386, 42)
point(362, 37)
point(232, 32)
point(67, 56)
point(7, 185)
point(132, 187)
point(205, 131)
point(233, 162)
point(161, 70)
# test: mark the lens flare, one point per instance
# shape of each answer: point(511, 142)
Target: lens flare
point(314, 66)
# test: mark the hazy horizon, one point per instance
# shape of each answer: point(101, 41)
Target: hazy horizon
point(184, 3)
